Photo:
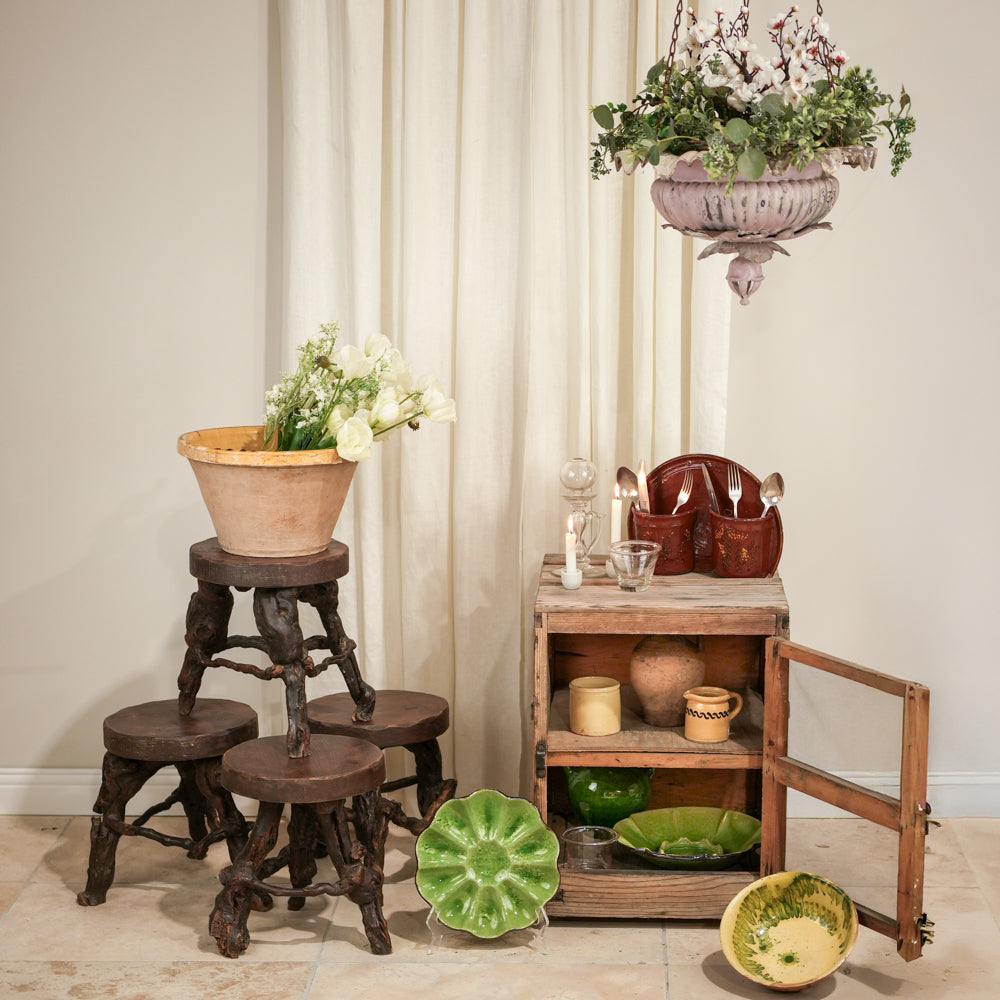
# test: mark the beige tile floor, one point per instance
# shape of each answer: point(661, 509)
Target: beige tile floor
point(150, 940)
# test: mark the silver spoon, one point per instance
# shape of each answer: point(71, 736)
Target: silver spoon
point(771, 491)
point(628, 483)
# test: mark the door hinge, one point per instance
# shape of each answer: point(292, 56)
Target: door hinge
point(540, 759)
point(925, 927)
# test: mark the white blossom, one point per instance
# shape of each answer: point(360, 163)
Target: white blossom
point(438, 407)
point(353, 362)
point(354, 440)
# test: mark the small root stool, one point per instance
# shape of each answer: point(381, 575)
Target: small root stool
point(317, 787)
point(407, 719)
point(141, 740)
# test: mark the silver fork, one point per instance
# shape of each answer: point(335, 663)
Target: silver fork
point(735, 488)
point(684, 494)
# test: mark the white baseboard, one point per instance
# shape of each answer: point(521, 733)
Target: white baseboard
point(53, 791)
point(43, 791)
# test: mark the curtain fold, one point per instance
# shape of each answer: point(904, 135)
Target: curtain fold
point(437, 189)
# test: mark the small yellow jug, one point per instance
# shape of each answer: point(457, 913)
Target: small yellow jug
point(707, 715)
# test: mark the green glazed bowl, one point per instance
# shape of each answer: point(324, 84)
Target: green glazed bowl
point(691, 837)
point(788, 930)
point(487, 863)
point(601, 796)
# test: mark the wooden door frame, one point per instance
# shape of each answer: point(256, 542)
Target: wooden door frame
point(907, 815)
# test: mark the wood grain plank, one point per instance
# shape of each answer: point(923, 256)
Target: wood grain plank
point(774, 795)
point(646, 894)
point(839, 792)
point(913, 819)
point(842, 668)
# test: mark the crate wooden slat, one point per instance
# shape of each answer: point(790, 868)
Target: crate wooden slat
point(646, 894)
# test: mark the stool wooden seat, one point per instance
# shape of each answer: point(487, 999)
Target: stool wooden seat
point(142, 739)
point(407, 719)
point(337, 768)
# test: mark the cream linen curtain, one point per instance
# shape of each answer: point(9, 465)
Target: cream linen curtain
point(437, 189)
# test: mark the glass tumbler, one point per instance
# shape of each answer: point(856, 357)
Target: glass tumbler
point(634, 563)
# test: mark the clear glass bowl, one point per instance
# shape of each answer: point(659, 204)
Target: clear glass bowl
point(634, 562)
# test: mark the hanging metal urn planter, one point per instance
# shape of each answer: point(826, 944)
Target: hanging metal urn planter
point(745, 145)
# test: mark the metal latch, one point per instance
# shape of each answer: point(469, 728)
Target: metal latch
point(925, 808)
point(540, 759)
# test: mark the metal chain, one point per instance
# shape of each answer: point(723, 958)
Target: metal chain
point(673, 39)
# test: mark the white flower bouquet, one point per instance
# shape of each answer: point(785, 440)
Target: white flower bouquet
point(347, 397)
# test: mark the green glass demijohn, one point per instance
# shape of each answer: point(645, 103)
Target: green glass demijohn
point(601, 796)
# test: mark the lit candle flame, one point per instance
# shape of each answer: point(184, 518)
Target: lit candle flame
point(569, 525)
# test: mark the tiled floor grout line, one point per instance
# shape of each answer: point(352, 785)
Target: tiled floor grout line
point(665, 960)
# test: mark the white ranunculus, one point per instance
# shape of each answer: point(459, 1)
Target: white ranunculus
point(377, 345)
point(353, 362)
point(385, 409)
point(354, 441)
point(437, 406)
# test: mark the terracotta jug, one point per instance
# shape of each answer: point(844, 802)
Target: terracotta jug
point(663, 668)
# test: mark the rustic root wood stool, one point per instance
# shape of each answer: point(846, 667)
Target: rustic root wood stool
point(279, 586)
point(317, 787)
point(141, 740)
point(407, 719)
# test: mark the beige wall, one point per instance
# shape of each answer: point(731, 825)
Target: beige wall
point(138, 248)
point(133, 295)
point(865, 370)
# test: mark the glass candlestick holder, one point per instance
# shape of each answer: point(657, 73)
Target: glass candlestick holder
point(578, 476)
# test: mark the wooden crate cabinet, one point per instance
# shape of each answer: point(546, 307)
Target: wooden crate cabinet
point(745, 626)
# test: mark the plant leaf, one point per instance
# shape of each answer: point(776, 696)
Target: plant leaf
point(653, 155)
point(604, 116)
point(654, 71)
point(752, 163)
point(773, 105)
point(737, 130)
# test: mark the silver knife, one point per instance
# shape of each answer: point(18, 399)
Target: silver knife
point(713, 500)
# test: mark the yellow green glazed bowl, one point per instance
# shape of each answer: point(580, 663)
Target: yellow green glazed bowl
point(487, 863)
point(690, 837)
point(789, 930)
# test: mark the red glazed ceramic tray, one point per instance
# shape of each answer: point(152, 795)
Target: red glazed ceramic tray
point(665, 481)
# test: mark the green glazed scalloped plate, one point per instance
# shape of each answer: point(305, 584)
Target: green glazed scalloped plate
point(690, 837)
point(487, 863)
point(788, 930)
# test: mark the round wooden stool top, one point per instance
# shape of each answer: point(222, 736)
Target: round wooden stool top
point(337, 768)
point(401, 717)
point(210, 563)
point(157, 731)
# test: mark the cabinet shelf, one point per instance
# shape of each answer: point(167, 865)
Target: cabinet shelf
point(642, 745)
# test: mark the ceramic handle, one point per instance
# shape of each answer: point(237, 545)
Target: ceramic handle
point(739, 704)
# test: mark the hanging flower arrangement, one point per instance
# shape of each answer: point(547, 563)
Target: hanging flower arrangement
point(716, 111)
